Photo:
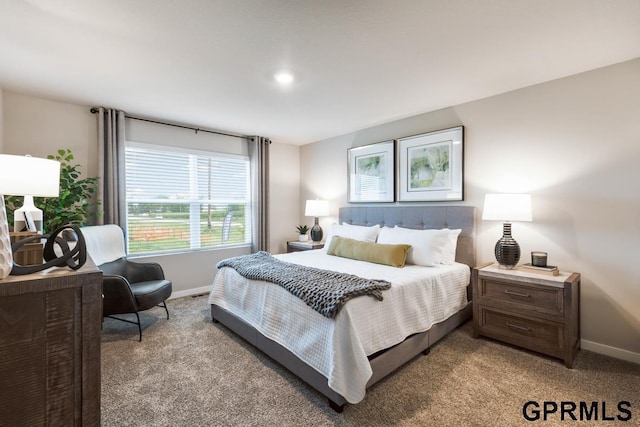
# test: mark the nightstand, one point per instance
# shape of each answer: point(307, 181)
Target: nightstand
point(529, 310)
point(297, 246)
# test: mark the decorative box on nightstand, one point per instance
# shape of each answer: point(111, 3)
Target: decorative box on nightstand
point(534, 311)
point(297, 246)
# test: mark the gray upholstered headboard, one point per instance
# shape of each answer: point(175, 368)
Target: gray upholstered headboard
point(421, 218)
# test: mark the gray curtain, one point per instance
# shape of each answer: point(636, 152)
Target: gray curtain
point(111, 189)
point(259, 155)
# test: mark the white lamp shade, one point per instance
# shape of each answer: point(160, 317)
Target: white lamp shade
point(29, 176)
point(507, 207)
point(316, 208)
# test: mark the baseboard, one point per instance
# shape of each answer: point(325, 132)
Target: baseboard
point(189, 292)
point(615, 352)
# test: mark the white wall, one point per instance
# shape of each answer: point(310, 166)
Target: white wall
point(40, 126)
point(574, 144)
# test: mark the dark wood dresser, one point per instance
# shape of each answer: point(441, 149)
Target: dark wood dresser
point(529, 310)
point(50, 348)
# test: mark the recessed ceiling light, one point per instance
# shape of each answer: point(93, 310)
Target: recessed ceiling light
point(283, 77)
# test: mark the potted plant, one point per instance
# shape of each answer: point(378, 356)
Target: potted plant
point(302, 233)
point(75, 204)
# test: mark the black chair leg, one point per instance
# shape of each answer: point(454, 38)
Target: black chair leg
point(164, 304)
point(129, 321)
point(139, 327)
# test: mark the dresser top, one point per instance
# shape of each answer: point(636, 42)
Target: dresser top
point(517, 274)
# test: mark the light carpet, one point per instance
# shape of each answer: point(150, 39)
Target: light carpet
point(188, 371)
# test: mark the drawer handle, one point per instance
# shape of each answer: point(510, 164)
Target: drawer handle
point(517, 294)
point(522, 328)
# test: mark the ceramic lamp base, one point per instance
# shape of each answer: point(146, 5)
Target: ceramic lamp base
point(507, 250)
point(316, 232)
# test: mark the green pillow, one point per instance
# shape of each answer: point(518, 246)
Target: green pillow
point(393, 255)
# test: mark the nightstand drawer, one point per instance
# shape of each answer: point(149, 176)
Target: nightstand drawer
point(538, 298)
point(535, 334)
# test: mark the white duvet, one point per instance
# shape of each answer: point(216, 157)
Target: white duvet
point(338, 348)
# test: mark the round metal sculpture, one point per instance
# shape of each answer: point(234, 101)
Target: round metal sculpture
point(72, 257)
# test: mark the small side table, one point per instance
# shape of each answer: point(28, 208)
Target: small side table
point(297, 246)
point(529, 310)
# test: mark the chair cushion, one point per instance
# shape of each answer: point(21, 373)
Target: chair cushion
point(115, 268)
point(151, 293)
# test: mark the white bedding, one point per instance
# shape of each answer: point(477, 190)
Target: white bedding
point(337, 348)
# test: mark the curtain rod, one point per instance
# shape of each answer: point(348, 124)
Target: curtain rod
point(94, 110)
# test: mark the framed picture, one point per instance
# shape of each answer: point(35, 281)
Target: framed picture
point(371, 173)
point(430, 166)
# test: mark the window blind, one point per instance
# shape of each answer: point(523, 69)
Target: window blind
point(181, 199)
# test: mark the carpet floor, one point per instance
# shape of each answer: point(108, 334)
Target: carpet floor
point(188, 371)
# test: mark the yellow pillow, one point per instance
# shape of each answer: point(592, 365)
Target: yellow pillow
point(393, 255)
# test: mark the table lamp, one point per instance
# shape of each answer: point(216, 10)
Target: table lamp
point(316, 208)
point(507, 208)
point(19, 176)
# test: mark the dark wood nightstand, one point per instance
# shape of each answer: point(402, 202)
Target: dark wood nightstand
point(297, 246)
point(534, 311)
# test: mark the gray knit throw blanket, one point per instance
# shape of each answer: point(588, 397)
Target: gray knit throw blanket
point(323, 290)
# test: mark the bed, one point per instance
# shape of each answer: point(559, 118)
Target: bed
point(330, 357)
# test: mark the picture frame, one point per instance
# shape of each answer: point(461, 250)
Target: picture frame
point(372, 173)
point(431, 166)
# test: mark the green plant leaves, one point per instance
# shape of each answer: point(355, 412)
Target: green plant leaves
point(302, 229)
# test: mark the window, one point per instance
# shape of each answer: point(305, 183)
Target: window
point(180, 200)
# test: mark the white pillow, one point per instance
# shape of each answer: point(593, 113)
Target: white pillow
point(449, 251)
point(356, 232)
point(369, 231)
point(426, 245)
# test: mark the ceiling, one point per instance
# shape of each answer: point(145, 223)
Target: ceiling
point(358, 63)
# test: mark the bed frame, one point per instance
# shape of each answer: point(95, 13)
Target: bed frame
point(386, 361)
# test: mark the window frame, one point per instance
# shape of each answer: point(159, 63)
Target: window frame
point(247, 203)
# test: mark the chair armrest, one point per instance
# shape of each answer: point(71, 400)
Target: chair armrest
point(143, 271)
point(118, 296)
